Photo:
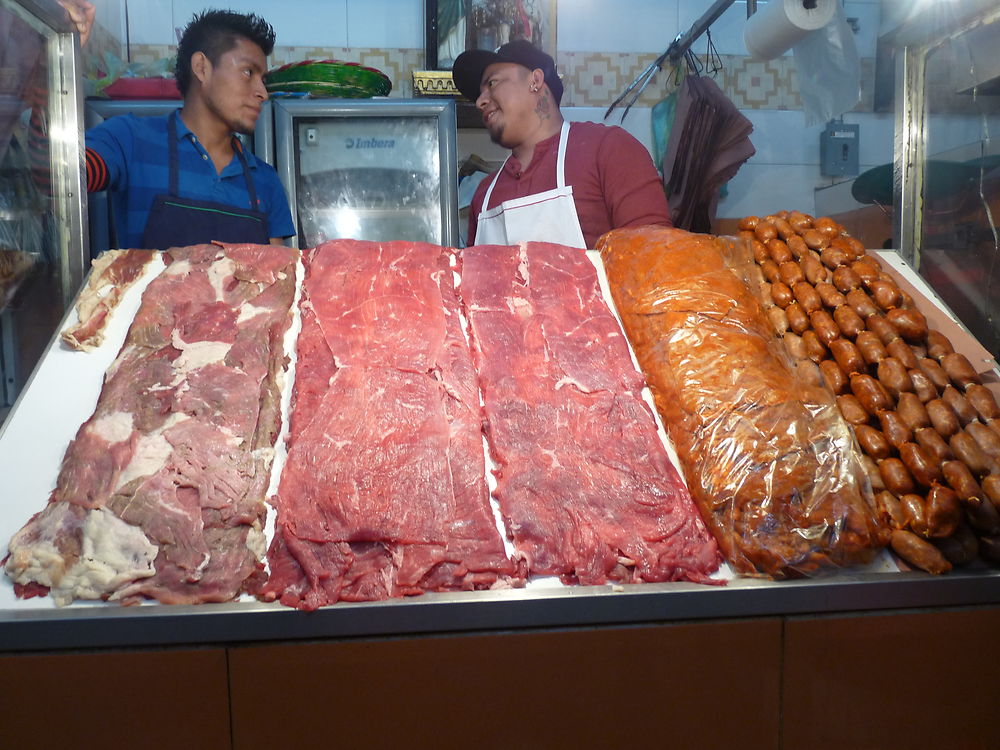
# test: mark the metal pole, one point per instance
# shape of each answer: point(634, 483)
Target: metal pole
point(685, 40)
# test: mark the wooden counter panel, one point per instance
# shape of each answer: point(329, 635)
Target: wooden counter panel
point(154, 700)
point(909, 680)
point(692, 685)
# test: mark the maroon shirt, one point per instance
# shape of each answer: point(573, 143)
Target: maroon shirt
point(614, 181)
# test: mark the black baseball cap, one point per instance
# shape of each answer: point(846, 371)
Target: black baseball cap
point(467, 72)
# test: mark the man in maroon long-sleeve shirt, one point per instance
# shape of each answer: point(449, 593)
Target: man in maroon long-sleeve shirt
point(610, 176)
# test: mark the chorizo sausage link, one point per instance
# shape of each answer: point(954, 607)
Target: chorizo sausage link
point(849, 322)
point(902, 351)
point(870, 393)
point(924, 469)
point(938, 345)
point(851, 409)
point(982, 401)
point(931, 441)
point(960, 370)
point(870, 347)
point(911, 323)
point(918, 553)
point(943, 511)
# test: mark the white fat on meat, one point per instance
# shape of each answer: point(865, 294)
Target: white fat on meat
point(567, 380)
point(112, 428)
point(248, 311)
point(522, 264)
point(256, 541)
point(218, 274)
point(112, 553)
point(150, 454)
point(520, 307)
point(197, 354)
point(178, 268)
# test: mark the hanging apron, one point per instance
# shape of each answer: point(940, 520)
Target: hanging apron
point(177, 222)
point(543, 217)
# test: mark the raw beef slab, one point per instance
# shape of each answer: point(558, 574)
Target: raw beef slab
point(383, 492)
point(161, 493)
point(584, 483)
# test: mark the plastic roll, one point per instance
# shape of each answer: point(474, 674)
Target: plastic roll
point(778, 26)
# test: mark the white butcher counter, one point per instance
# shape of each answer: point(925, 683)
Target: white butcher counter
point(816, 662)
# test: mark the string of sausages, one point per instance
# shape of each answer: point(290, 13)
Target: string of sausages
point(929, 430)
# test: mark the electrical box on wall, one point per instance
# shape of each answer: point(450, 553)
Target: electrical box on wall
point(838, 150)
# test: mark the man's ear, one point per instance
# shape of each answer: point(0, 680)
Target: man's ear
point(201, 66)
point(537, 79)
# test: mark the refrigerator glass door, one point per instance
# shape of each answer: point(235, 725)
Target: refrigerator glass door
point(371, 170)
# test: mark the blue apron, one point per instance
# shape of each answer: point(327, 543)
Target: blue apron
point(178, 222)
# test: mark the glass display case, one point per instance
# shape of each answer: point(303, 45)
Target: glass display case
point(947, 160)
point(42, 199)
point(369, 170)
point(100, 209)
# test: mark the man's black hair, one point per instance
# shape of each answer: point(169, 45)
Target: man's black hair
point(215, 32)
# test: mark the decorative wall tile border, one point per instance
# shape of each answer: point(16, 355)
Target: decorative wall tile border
point(590, 79)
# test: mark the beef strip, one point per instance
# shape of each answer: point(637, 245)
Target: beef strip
point(583, 480)
point(383, 492)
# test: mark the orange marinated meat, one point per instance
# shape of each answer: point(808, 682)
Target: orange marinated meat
point(755, 441)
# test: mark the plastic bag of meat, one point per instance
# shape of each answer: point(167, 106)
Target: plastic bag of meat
point(767, 456)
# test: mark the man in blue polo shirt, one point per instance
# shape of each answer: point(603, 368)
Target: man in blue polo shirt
point(184, 178)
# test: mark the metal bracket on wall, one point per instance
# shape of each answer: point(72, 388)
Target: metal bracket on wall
point(673, 53)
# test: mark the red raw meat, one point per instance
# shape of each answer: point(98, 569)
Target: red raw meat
point(166, 481)
point(583, 481)
point(383, 492)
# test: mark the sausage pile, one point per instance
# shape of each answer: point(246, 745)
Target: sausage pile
point(929, 429)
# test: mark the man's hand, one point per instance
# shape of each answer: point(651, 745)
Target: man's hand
point(81, 13)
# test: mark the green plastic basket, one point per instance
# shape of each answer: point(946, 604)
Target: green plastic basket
point(328, 78)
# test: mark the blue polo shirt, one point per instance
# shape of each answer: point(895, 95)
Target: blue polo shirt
point(134, 150)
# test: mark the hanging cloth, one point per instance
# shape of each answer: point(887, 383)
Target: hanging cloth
point(709, 142)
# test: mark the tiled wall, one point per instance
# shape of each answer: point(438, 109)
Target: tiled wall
point(602, 46)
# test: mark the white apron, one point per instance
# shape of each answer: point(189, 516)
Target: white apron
point(542, 217)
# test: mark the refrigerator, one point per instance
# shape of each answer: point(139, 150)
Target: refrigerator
point(43, 247)
point(100, 210)
point(374, 169)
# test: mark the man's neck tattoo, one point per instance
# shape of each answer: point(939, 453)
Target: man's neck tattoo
point(543, 108)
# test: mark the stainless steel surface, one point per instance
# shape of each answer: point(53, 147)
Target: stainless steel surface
point(909, 150)
point(571, 607)
point(287, 111)
point(69, 189)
